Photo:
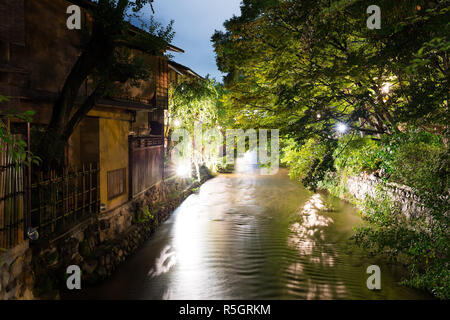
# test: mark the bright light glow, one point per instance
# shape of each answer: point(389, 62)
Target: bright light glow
point(342, 127)
point(386, 88)
point(177, 123)
point(183, 170)
point(248, 163)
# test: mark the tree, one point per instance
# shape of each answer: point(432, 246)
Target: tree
point(305, 66)
point(105, 60)
point(195, 101)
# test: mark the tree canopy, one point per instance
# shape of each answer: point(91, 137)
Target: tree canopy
point(304, 66)
point(354, 101)
point(195, 100)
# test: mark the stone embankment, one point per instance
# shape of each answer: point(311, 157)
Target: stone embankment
point(37, 270)
point(368, 185)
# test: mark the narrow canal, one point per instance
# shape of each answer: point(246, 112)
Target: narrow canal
point(246, 236)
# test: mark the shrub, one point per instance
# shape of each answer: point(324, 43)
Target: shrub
point(415, 158)
point(301, 158)
point(420, 241)
point(145, 216)
point(421, 166)
point(356, 155)
point(16, 148)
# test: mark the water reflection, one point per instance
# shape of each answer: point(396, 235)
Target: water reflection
point(246, 236)
point(308, 236)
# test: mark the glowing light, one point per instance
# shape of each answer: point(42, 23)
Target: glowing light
point(386, 88)
point(177, 123)
point(342, 128)
point(248, 163)
point(183, 170)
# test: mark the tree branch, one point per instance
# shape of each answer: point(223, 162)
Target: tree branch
point(87, 105)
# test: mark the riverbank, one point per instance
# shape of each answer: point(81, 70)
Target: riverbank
point(400, 225)
point(98, 245)
point(246, 236)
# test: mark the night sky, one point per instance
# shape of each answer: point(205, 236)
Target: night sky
point(195, 22)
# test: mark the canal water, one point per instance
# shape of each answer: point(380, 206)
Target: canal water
point(247, 236)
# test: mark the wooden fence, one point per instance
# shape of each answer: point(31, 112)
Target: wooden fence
point(53, 201)
point(146, 163)
point(12, 199)
point(59, 200)
point(62, 199)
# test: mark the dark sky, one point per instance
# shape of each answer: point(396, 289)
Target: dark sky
point(195, 22)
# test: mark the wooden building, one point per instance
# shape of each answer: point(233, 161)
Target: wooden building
point(177, 72)
point(122, 135)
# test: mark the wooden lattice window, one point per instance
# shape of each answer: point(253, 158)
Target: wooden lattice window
point(162, 91)
point(117, 180)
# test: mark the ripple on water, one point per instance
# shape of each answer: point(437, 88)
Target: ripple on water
point(253, 237)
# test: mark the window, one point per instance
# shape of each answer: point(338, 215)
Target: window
point(117, 183)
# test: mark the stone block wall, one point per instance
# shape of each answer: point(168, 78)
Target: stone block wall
point(366, 185)
point(16, 276)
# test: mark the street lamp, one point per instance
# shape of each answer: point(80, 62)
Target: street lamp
point(342, 128)
point(183, 170)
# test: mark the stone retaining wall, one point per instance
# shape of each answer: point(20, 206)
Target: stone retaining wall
point(16, 276)
point(366, 185)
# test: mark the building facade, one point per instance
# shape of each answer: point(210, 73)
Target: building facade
point(121, 139)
